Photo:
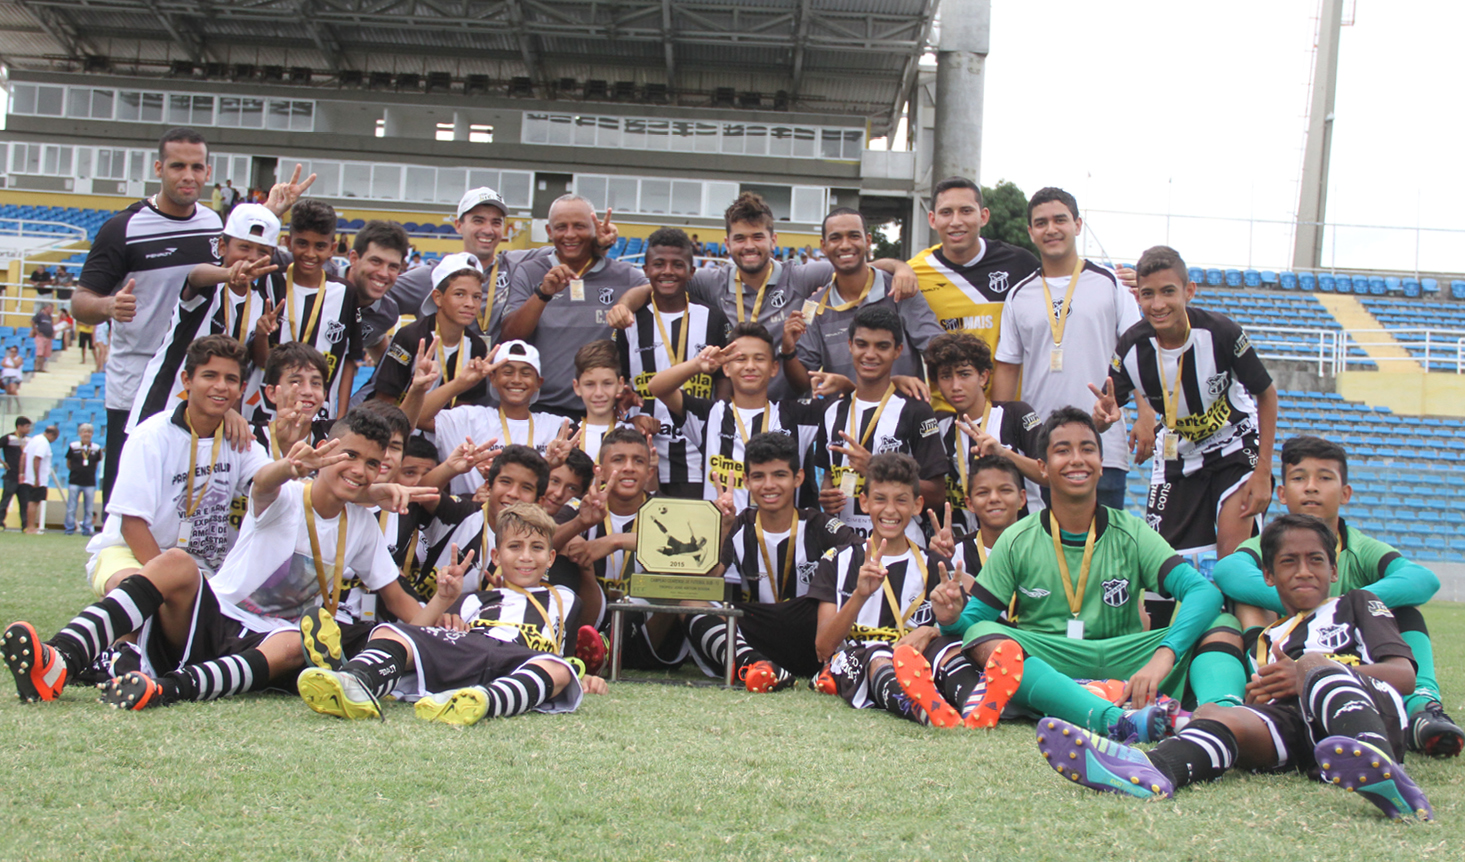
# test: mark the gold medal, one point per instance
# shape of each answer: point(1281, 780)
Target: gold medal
point(1172, 446)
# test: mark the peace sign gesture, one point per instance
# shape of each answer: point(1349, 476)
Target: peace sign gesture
point(559, 448)
point(944, 541)
point(856, 457)
point(269, 321)
point(947, 597)
point(982, 442)
point(425, 370)
point(306, 459)
point(244, 272)
point(606, 232)
point(284, 195)
point(872, 573)
point(450, 577)
point(1106, 409)
point(713, 358)
point(724, 501)
point(593, 501)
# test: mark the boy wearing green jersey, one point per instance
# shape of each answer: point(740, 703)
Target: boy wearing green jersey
point(1078, 572)
point(1315, 482)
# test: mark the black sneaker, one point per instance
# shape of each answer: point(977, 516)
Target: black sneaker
point(117, 660)
point(1432, 732)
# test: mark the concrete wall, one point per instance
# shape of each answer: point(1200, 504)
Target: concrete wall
point(1434, 394)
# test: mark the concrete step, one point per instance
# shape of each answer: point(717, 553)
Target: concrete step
point(1379, 345)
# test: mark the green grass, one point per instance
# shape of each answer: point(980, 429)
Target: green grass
point(647, 772)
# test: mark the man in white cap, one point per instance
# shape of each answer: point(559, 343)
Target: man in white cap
point(457, 294)
point(214, 300)
point(513, 369)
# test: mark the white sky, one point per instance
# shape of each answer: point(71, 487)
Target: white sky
point(1198, 109)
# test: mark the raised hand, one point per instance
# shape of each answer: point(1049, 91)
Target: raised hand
point(619, 317)
point(1106, 408)
point(872, 573)
point(559, 448)
point(292, 425)
point(123, 307)
point(713, 358)
point(793, 328)
point(425, 370)
point(982, 442)
point(244, 273)
point(947, 597)
point(628, 400)
point(282, 196)
point(269, 321)
point(392, 497)
point(306, 459)
point(724, 501)
point(831, 500)
point(827, 384)
point(557, 279)
point(450, 577)
point(606, 232)
point(856, 457)
point(593, 501)
point(944, 541)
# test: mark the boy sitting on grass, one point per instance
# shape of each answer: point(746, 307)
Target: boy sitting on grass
point(1334, 669)
point(485, 660)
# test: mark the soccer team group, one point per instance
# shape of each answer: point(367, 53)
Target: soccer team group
point(898, 528)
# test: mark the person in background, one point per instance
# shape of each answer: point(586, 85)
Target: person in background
point(43, 331)
point(216, 200)
point(11, 372)
point(12, 446)
point(35, 476)
point(82, 456)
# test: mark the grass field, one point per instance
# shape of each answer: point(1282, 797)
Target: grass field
point(647, 772)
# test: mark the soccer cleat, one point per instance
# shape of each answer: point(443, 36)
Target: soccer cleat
point(824, 683)
point(1361, 768)
point(133, 690)
point(1003, 675)
point(462, 707)
point(1432, 732)
point(765, 676)
point(591, 647)
point(338, 693)
point(321, 639)
point(1147, 724)
point(913, 673)
point(116, 660)
point(1109, 689)
point(1087, 758)
point(40, 671)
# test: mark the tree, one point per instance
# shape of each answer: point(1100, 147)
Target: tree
point(1009, 208)
point(885, 240)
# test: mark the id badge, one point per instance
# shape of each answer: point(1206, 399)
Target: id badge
point(368, 607)
point(848, 481)
point(1172, 446)
point(1055, 359)
point(809, 309)
point(577, 289)
point(1075, 629)
point(185, 533)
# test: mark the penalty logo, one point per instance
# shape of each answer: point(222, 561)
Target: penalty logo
point(1116, 592)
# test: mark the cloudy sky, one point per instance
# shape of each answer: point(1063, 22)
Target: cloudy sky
point(1199, 110)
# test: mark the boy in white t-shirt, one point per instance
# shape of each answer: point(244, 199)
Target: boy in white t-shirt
point(159, 500)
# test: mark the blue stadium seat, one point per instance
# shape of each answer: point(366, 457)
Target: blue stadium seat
point(1197, 275)
point(1252, 278)
point(1411, 288)
point(1307, 281)
point(1233, 278)
point(1269, 277)
point(1288, 281)
point(1429, 285)
point(1345, 283)
point(1457, 289)
point(1326, 283)
point(1214, 278)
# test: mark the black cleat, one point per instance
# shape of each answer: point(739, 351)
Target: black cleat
point(1432, 732)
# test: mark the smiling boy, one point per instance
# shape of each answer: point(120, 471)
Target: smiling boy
point(457, 292)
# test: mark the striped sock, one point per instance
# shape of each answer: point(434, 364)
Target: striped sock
point(379, 665)
point(1203, 751)
point(525, 688)
point(961, 684)
point(222, 677)
point(1334, 699)
point(709, 637)
point(121, 612)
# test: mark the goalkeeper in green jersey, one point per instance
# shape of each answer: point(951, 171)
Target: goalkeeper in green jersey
point(1078, 572)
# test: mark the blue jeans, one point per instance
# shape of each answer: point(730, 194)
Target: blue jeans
point(1111, 487)
point(75, 492)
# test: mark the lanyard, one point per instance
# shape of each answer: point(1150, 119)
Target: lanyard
point(854, 303)
point(775, 584)
point(963, 455)
point(485, 565)
point(298, 334)
point(628, 556)
point(894, 603)
point(442, 354)
point(1056, 322)
point(676, 356)
point(330, 591)
point(559, 609)
point(585, 425)
point(274, 441)
point(854, 416)
point(1170, 395)
point(758, 300)
point(243, 319)
point(743, 429)
point(493, 286)
point(504, 427)
point(190, 505)
point(1075, 598)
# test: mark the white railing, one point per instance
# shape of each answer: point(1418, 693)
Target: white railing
point(26, 228)
point(1322, 345)
point(1439, 346)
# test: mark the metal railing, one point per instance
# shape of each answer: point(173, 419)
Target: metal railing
point(26, 227)
point(1440, 346)
point(1321, 344)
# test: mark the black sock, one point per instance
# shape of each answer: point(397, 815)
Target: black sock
point(1334, 700)
point(223, 677)
point(519, 692)
point(959, 682)
point(120, 612)
point(708, 635)
point(1202, 751)
point(379, 665)
point(886, 693)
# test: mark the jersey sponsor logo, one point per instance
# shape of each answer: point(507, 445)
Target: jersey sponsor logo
point(335, 331)
point(969, 322)
point(164, 253)
point(607, 295)
point(1243, 344)
point(1038, 593)
point(1116, 592)
point(997, 281)
point(1332, 637)
point(1115, 363)
point(1379, 609)
point(1030, 421)
point(729, 469)
point(1199, 426)
point(1217, 384)
point(929, 427)
point(778, 299)
point(399, 353)
point(833, 525)
point(1159, 496)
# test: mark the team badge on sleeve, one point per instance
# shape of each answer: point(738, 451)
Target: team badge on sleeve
point(399, 353)
point(929, 427)
point(1243, 344)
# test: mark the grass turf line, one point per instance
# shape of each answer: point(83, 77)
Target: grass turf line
point(647, 772)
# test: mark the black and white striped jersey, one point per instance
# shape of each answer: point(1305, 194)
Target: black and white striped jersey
point(458, 521)
point(510, 614)
point(644, 352)
point(838, 574)
point(1216, 415)
point(746, 567)
point(905, 425)
point(1354, 628)
point(614, 572)
point(335, 332)
point(1015, 425)
point(712, 426)
point(593, 434)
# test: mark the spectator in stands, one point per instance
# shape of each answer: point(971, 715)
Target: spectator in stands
point(84, 339)
point(13, 446)
point(341, 247)
point(101, 338)
point(697, 248)
point(216, 201)
point(415, 262)
point(64, 283)
point(230, 197)
point(35, 475)
point(43, 330)
point(65, 327)
point(41, 281)
point(11, 372)
point(81, 467)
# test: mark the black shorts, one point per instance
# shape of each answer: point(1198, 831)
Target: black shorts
point(1183, 509)
point(448, 660)
point(211, 635)
point(1294, 736)
point(783, 633)
point(83, 339)
point(850, 666)
point(32, 493)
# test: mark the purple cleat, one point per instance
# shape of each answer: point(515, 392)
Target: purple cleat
point(1086, 758)
point(1361, 768)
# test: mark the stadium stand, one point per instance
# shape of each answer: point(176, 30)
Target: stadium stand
point(1259, 309)
point(89, 220)
point(1417, 313)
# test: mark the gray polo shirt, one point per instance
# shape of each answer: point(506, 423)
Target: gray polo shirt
point(565, 324)
point(412, 292)
point(826, 342)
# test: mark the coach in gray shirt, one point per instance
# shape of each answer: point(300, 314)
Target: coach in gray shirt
point(482, 215)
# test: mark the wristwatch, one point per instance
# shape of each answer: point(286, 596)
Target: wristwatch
point(787, 356)
point(544, 297)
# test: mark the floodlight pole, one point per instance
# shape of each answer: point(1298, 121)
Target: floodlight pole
point(960, 60)
point(1312, 203)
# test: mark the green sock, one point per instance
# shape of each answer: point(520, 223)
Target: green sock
point(1048, 692)
point(1217, 675)
point(1426, 687)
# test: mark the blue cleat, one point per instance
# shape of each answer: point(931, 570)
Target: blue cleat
point(1147, 724)
point(1361, 768)
point(1086, 758)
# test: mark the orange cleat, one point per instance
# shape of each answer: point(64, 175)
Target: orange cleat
point(765, 676)
point(39, 670)
point(824, 683)
point(1004, 675)
point(134, 690)
point(591, 647)
point(913, 673)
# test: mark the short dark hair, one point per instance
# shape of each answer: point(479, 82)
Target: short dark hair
point(386, 234)
point(749, 207)
point(1307, 446)
point(364, 423)
point(955, 349)
point(1066, 416)
point(203, 349)
point(896, 468)
point(994, 462)
point(772, 446)
point(23, 420)
point(602, 353)
point(879, 317)
point(524, 456)
point(750, 329)
point(1048, 194)
point(419, 447)
point(670, 237)
point(583, 467)
point(623, 434)
point(316, 216)
point(1272, 537)
point(841, 211)
point(1158, 258)
point(396, 419)
point(294, 354)
point(179, 135)
point(950, 183)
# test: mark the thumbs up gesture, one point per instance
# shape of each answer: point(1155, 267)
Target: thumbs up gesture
point(124, 304)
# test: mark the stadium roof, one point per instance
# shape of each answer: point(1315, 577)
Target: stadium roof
point(835, 56)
